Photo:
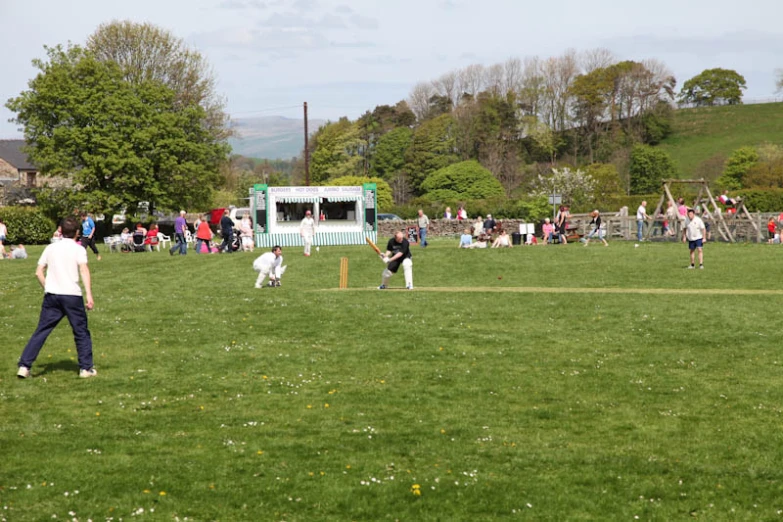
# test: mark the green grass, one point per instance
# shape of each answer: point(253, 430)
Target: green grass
point(714, 132)
point(308, 403)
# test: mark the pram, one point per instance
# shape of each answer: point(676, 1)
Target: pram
point(137, 245)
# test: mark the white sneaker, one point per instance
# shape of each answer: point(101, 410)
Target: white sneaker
point(382, 287)
point(23, 372)
point(409, 287)
point(86, 374)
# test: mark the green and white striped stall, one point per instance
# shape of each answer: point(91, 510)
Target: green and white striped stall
point(344, 215)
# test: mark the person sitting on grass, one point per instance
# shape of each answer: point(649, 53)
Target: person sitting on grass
point(548, 231)
point(465, 240)
point(502, 241)
point(482, 241)
point(18, 252)
point(531, 239)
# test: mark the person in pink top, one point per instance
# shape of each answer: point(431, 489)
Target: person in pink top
point(548, 231)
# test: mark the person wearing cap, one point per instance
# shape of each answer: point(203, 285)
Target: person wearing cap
point(695, 233)
point(180, 244)
point(307, 231)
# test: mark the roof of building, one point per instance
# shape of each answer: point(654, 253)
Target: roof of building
point(11, 152)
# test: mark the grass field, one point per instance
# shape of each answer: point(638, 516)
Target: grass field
point(546, 383)
point(710, 132)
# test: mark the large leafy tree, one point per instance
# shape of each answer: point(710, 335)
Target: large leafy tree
point(433, 147)
point(462, 181)
point(648, 168)
point(146, 52)
point(389, 158)
point(118, 142)
point(713, 87)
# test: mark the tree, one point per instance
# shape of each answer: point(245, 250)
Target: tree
point(768, 174)
point(389, 157)
point(607, 180)
point(576, 187)
point(433, 147)
point(384, 193)
point(119, 143)
point(713, 87)
point(738, 164)
point(336, 151)
point(146, 53)
point(648, 168)
point(462, 181)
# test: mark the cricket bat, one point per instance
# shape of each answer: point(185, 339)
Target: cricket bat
point(373, 245)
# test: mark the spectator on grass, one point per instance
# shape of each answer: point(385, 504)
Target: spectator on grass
point(641, 217)
point(180, 241)
point(125, 237)
point(151, 238)
point(478, 227)
point(58, 234)
point(597, 232)
point(246, 233)
point(548, 231)
point(502, 241)
point(423, 222)
point(465, 240)
point(531, 239)
point(771, 226)
point(3, 234)
point(18, 252)
point(88, 234)
point(203, 236)
point(670, 217)
point(447, 213)
point(682, 210)
point(561, 224)
point(489, 224)
point(227, 231)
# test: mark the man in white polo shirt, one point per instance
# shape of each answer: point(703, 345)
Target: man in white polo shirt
point(58, 271)
point(695, 232)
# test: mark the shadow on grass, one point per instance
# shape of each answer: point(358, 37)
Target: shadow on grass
point(52, 367)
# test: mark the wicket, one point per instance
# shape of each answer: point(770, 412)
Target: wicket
point(343, 272)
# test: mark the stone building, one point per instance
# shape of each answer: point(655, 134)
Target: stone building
point(16, 170)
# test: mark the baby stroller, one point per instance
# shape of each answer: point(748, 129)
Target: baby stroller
point(137, 245)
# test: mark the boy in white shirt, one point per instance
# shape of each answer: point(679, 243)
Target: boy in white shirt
point(58, 271)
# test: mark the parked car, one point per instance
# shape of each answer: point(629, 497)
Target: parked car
point(389, 217)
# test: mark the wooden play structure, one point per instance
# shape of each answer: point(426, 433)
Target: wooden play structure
point(738, 224)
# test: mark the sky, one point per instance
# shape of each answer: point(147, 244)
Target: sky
point(344, 57)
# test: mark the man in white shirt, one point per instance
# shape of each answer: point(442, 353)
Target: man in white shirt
point(268, 264)
point(58, 271)
point(307, 231)
point(641, 217)
point(424, 222)
point(695, 232)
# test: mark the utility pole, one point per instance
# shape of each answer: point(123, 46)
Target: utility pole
point(306, 151)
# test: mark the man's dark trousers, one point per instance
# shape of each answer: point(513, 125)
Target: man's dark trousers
point(53, 309)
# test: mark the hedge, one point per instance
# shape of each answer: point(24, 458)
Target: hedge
point(26, 225)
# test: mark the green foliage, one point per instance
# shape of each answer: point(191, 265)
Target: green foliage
point(384, 194)
point(467, 180)
point(337, 153)
point(761, 200)
point(738, 164)
point(606, 178)
point(713, 87)
point(764, 175)
point(56, 202)
point(657, 124)
point(648, 167)
point(27, 225)
point(389, 157)
point(118, 143)
point(433, 147)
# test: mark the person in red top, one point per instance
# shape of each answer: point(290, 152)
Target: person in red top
point(203, 235)
point(152, 235)
point(771, 226)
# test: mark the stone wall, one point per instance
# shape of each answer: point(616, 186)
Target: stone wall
point(445, 227)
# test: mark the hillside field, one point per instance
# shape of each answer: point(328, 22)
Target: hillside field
point(534, 383)
point(714, 133)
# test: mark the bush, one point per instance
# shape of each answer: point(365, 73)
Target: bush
point(648, 168)
point(758, 200)
point(465, 180)
point(27, 225)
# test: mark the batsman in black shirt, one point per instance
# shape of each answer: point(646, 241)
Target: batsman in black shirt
point(398, 253)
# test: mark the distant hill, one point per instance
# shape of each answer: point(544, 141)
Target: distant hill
point(703, 138)
point(271, 137)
